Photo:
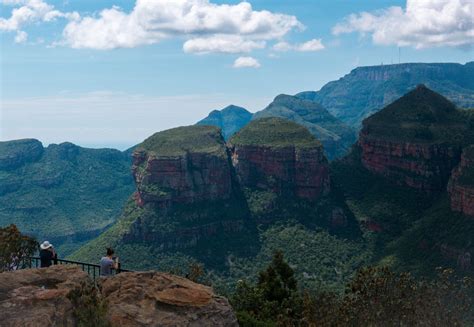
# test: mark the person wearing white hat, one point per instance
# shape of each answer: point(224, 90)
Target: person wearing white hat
point(47, 254)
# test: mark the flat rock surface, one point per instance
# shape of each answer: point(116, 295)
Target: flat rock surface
point(38, 297)
point(159, 299)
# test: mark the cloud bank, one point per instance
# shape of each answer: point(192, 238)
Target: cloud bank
point(422, 24)
point(309, 46)
point(208, 27)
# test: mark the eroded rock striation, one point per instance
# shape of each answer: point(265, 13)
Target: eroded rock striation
point(461, 184)
point(281, 156)
point(159, 299)
point(416, 141)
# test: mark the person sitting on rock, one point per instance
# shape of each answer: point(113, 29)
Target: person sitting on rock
point(108, 263)
point(47, 254)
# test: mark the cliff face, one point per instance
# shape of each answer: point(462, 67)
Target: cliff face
point(366, 90)
point(461, 184)
point(297, 169)
point(185, 182)
point(416, 141)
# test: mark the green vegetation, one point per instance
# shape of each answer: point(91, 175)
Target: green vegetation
point(230, 120)
point(64, 193)
point(334, 135)
point(89, 307)
point(15, 248)
point(374, 297)
point(365, 90)
point(467, 174)
point(275, 132)
point(180, 140)
point(421, 116)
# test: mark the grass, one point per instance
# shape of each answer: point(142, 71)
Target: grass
point(181, 140)
point(275, 132)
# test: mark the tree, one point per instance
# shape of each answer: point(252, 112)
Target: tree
point(15, 248)
point(273, 300)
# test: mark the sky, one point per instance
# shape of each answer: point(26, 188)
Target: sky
point(111, 73)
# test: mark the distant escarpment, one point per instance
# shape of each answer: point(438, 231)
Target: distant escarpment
point(335, 136)
point(365, 90)
point(416, 141)
point(461, 184)
point(202, 199)
point(77, 190)
point(230, 120)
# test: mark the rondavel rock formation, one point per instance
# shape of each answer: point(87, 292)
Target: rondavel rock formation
point(461, 184)
point(416, 141)
point(204, 198)
point(42, 297)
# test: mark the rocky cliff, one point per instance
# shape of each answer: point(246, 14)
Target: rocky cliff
point(280, 156)
point(461, 184)
point(230, 120)
point(366, 90)
point(200, 199)
point(416, 140)
point(185, 173)
point(44, 297)
point(77, 190)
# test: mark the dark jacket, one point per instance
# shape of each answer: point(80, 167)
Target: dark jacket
point(46, 257)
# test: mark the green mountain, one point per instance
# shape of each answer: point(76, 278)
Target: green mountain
point(63, 193)
point(230, 120)
point(335, 136)
point(396, 179)
point(365, 90)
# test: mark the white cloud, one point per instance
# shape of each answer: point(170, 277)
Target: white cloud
point(21, 37)
point(311, 45)
point(28, 12)
point(222, 44)
point(246, 62)
point(424, 23)
point(151, 21)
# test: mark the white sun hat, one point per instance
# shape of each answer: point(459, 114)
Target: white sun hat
point(46, 245)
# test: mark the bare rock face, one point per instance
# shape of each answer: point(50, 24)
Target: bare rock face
point(425, 167)
point(461, 184)
point(169, 168)
point(296, 168)
point(158, 299)
point(416, 141)
point(38, 297)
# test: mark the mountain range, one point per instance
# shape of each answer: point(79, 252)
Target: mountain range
point(403, 194)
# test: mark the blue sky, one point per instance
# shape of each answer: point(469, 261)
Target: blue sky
point(69, 73)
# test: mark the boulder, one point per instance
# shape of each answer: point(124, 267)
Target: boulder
point(38, 297)
point(159, 299)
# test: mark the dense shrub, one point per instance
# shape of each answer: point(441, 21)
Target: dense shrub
point(15, 248)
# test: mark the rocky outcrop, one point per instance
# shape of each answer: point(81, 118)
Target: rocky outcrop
point(415, 141)
point(287, 171)
point(158, 299)
point(295, 168)
point(425, 167)
point(39, 297)
point(461, 184)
